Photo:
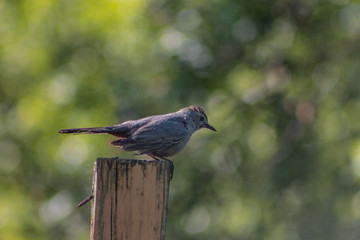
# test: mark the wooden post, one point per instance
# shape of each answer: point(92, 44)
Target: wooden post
point(130, 199)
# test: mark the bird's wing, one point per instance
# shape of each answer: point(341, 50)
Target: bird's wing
point(127, 128)
point(156, 135)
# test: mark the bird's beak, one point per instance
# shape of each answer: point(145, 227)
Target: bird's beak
point(208, 126)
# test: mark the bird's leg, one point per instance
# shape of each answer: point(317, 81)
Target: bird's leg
point(154, 157)
point(157, 158)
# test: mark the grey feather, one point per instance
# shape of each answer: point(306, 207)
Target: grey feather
point(158, 136)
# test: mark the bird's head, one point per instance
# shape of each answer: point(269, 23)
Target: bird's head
point(199, 117)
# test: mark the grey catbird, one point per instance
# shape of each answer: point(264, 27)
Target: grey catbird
point(158, 136)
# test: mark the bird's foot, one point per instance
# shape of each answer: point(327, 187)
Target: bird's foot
point(157, 158)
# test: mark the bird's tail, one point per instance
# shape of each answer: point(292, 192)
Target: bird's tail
point(85, 130)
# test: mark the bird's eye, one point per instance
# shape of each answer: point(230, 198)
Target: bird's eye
point(201, 118)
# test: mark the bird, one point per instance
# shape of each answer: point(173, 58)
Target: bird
point(158, 136)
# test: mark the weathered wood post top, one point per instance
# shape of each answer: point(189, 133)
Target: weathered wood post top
point(130, 199)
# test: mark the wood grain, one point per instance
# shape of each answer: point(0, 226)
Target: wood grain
point(130, 199)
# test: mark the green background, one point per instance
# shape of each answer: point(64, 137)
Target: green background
point(279, 80)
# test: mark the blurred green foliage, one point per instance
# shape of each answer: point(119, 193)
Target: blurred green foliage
point(278, 78)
